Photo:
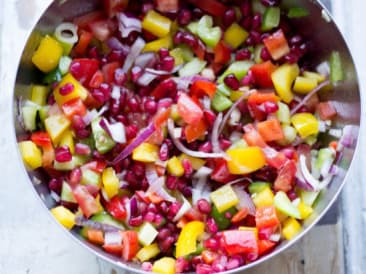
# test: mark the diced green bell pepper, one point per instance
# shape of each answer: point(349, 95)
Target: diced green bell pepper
point(297, 12)
point(257, 187)
point(195, 66)
point(271, 18)
point(29, 114)
point(52, 77)
point(220, 218)
point(105, 218)
point(239, 69)
point(208, 34)
point(224, 89)
point(66, 193)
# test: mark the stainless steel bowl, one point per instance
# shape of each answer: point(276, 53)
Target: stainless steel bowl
point(318, 27)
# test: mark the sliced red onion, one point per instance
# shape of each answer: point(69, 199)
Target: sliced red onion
point(245, 201)
point(158, 188)
point(158, 72)
point(146, 78)
point(114, 44)
point(82, 221)
point(206, 102)
point(178, 132)
point(126, 203)
point(92, 114)
point(349, 136)
point(183, 209)
point(215, 134)
point(135, 50)
point(235, 117)
point(275, 237)
point(134, 207)
point(150, 173)
point(187, 151)
point(307, 175)
point(82, 149)
point(308, 96)
point(116, 130)
point(240, 180)
point(112, 238)
point(128, 24)
point(145, 59)
point(301, 183)
point(141, 137)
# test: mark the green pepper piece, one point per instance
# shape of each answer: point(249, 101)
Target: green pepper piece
point(220, 218)
point(52, 77)
point(66, 193)
point(105, 218)
point(271, 18)
point(336, 70)
point(208, 34)
point(239, 69)
point(297, 12)
point(220, 102)
point(64, 64)
point(193, 67)
point(29, 114)
point(258, 7)
point(324, 161)
point(257, 187)
point(103, 142)
point(284, 205)
point(90, 177)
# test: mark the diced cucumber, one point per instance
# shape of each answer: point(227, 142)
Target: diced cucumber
point(271, 18)
point(283, 113)
point(187, 53)
point(103, 142)
point(66, 193)
point(336, 69)
point(39, 94)
point(147, 234)
point(64, 65)
point(308, 197)
point(220, 102)
point(239, 69)
point(257, 187)
point(70, 165)
point(224, 89)
point(258, 7)
point(285, 206)
point(105, 218)
point(297, 12)
point(29, 114)
point(43, 113)
point(90, 177)
point(195, 66)
point(257, 53)
point(290, 134)
point(193, 27)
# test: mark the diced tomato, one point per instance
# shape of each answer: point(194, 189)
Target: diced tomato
point(95, 236)
point(252, 137)
point(95, 165)
point(194, 131)
point(240, 215)
point(83, 21)
point(83, 69)
point(97, 79)
point(161, 117)
point(167, 5)
point(112, 7)
point(312, 103)
point(182, 222)
point(274, 158)
point(155, 198)
point(109, 70)
point(326, 110)
point(41, 139)
point(101, 29)
point(266, 216)
point(116, 208)
point(240, 241)
point(48, 156)
point(277, 45)
point(193, 215)
point(262, 97)
point(286, 177)
point(130, 245)
point(189, 110)
point(200, 88)
point(91, 102)
point(222, 53)
point(74, 107)
point(265, 246)
point(113, 249)
point(86, 201)
point(270, 130)
point(141, 195)
point(221, 172)
point(85, 38)
point(213, 7)
point(262, 74)
point(209, 256)
point(256, 113)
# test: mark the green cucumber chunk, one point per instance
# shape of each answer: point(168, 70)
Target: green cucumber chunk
point(103, 142)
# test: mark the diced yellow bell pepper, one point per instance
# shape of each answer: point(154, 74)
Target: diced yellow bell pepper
point(100, 206)
point(146, 153)
point(187, 240)
point(174, 113)
point(314, 75)
point(245, 160)
point(39, 94)
point(263, 198)
point(156, 24)
point(78, 92)
point(305, 210)
point(235, 95)
point(175, 167)
point(31, 154)
point(306, 124)
point(148, 252)
point(156, 45)
point(165, 265)
point(283, 78)
point(56, 125)
point(64, 216)
point(291, 227)
point(110, 182)
point(235, 35)
point(304, 85)
point(48, 54)
point(224, 198)
point(67, 139)
point(196, 163)
point(177, 54)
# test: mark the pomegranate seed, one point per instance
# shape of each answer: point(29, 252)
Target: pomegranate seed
point(211, 243)
point(150, 106)
point(51, 99)
point(187, 192)
point(184, 17)
point(149, 217)
point(211, 225)
point(255, 36)
point(136, 221)
point(197, 13)
point(131, 131)
point(270, 3)
point(120, 76)
point(152, 208)
point(248, 79)
point(189, 39)
point(228, 215)
point(232, 82)
point(167, 102)
point(225, 144)
point(163, 52)
point(66, 89)
point(265, 55)
point(257, 21)
point(289, 153)
point(159, 220)
point(98, 95)
point(270, 107)
point(171, 182)
point(188, 169)
point(243, 54)
point(75, 69)
point(133, 105)
point(291, 58)
point(205, 147)
point(246, 8)
point(204, 269)
point(163, 207)
point(63, 154)
point(229, 17)
point(173, 209)
point(138, 169)
point(178, 37)
point(146, 7)
point(195, 261)
point(82, 133)
point(164, 233)
point(232, 263)
point(292, 195)
point(115, 56)
point(204, 206)
point(181, 265)
point(218, 267)
point(164, 152)
point(167, 63)
point(75, 176)
point(166, 244)
point(55, 185)
point(77, 122)
point(246, 22)
point(295, 40)
point(82, 149)
point(210, 117)
point(136, 73)
point(93, 52)
point(264, 36)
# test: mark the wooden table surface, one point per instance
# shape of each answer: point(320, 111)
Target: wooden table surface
point(31, 243)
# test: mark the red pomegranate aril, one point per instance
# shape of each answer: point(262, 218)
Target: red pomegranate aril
point(189, 39)
point(181, 265)
point(93, 52)
point(178, 37)
point(211, 243)
point(184, 17)
point(66, 89)
point(164, 233)
point(295, 40)
point(229, 17)
point(115, 56)
point(171, 182)
point(159, 220)
point(195, 261)
point(82, 149)
point(133, 105)
point(75, 176)
point(174, 208)
point(167, 63)
point(55, 185)
point(232, 263)
point(292, 195)
point(265, 55)
point(150, 106)
point(289, 153)
point(120, 77)
point(210, 117)
point(197, 13)
point(270, 107)
point(211, 225)
point(163, 52)
point(291, 58)
point(63, 154)
point(205, 147)
point(248, 79)
point(138, 169)
point(187, 192)
point(136, 73)
point(218, 267)
point(152, 208)
point(203, 269)
point(136, 221)
point(149, 217)
point(146, 266)
point(82, 133)
point(166, 102)
point(164, 152)
point(131, 131)
point(204, 206)
point(243, 54)
point(77, 122)
point(232, 82)
point(188, 169)
point(256, 37)
point(146, 7)
point(166, 244)
point(246, 22)
point(228, 215)
point(257, 21)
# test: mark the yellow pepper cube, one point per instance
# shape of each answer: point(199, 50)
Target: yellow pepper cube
point(165, 265)
point(283, 78)
point(156, 45)
point(306, 124)
point(305, 210)
point(177, 54)
point(314, 75)
point(78, 92)
point(56, 125)
point(245, 160)
point(31, 154)
point(110, 182)
point(175, 167)
point(146, 153)
point(304, 85)
point(263, 198)
point(235, 35)
point(224, 198)
point(156, 24)
point(39, 94)
point(235, 95)
point(196, 163)
point(48, 54)
point(67, 139)
point(187, 240)
point(148, 252)
point(64, 216)
point(291, 227)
